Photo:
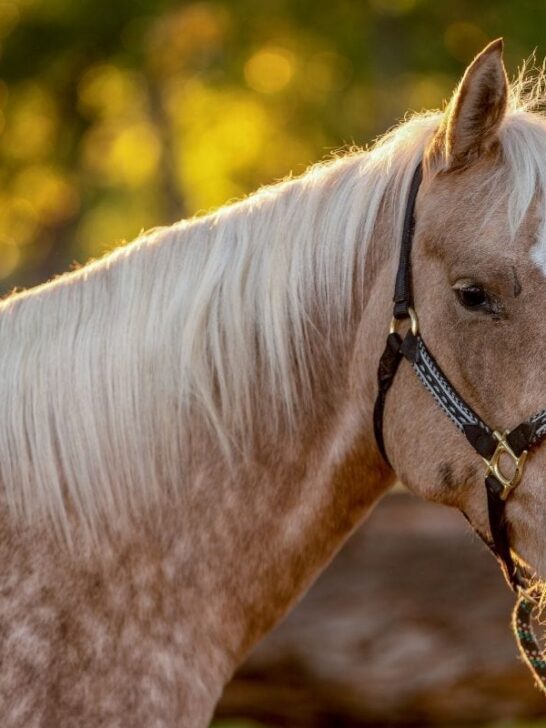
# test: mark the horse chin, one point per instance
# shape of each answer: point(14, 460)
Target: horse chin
point(526, 518)
point(535, 582)
point(532, 570)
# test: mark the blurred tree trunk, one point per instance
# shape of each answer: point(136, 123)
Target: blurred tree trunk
point(173, 200)
point(410, 625)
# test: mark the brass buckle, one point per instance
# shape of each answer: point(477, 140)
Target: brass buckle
point(494, 467)
point(414, 322)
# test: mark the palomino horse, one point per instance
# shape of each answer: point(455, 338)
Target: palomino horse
point(187, 432)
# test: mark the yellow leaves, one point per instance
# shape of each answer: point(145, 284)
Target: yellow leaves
point(40, 197)
point(328, 71)
point(123, 146)
point(270, 69)
point(134, 154)
point(123, 154)
point(393, 7)
point(9, 17)
point(52, 196)
point(178, 121)
point(113, 221)
point(196, 116)
point(220, 133)
point(228, 141)
point(464, 40)
point(233, 120)
point(18, 221)
point(186, 37)
point(18, 226)
point(32, 124)
point(195, 102)
point(427, 91)
point(9, 257)
point(108, 91)
point(275, 68)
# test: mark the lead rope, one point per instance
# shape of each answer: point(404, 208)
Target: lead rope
point(530, 649)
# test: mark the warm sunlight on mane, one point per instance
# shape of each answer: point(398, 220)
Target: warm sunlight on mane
point(203, 319)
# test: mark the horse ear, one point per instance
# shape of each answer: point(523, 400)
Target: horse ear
point(474, 114)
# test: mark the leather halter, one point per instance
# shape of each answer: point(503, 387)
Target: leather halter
point(494, 446)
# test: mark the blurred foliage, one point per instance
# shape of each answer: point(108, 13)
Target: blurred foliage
point(117, 116)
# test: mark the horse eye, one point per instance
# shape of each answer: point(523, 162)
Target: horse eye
point(472, 297)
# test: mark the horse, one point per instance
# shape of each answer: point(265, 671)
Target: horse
point(187, 428)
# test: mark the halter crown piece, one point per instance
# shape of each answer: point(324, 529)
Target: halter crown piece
point(491, 444)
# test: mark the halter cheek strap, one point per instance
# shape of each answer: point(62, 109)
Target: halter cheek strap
point(497, 448)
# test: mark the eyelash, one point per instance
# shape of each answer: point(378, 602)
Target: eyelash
point(473, 297)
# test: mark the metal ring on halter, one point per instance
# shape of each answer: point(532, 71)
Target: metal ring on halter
point(493, 463)
point(414, 322)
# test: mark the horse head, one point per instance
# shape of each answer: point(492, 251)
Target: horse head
point(479, 293)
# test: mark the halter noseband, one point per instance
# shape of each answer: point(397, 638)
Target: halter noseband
point(491, 444)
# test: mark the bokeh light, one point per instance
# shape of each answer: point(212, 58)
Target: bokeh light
point(464, 39)
point(115, 118)
point(270, 69)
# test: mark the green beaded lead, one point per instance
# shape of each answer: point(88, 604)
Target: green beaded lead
point(532, 653)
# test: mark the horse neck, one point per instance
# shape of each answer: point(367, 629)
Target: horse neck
point(247, 537)
point(261, 533)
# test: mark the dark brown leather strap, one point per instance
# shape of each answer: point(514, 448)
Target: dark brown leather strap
point(388, 366)
point(496, 509)
point(403, 293)
point(522, 437)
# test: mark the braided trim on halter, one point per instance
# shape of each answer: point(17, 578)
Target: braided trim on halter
point(432, 377)
point(539, 422)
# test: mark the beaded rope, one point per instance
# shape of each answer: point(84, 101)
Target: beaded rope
point(533, 654)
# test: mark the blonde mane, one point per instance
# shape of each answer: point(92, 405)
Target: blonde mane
point(101, 368)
